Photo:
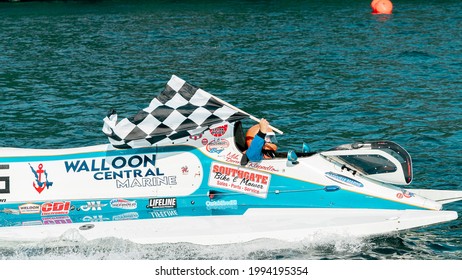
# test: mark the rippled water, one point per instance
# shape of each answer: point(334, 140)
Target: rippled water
point(325, 72)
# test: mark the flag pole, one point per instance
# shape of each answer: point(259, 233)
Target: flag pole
point(241, 111)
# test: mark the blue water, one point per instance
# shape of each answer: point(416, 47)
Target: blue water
point(325, 72)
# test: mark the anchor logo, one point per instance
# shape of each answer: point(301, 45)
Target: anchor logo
point(41, 178)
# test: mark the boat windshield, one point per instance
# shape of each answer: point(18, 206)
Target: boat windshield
point(370, 164)
point(374, 163)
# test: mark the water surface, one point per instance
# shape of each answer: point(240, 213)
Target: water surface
point(325, 72)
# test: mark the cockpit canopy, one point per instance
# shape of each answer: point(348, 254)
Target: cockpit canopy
point(383, 161)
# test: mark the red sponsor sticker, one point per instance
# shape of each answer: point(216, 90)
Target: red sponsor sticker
point(219, 131)
point(56, 208)
point(243, 180)
point(195, 137)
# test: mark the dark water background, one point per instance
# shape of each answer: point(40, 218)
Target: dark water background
point(325, 72)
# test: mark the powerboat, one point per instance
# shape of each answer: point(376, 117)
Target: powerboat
point(174, 173)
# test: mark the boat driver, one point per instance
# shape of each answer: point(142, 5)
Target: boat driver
point(261, 142)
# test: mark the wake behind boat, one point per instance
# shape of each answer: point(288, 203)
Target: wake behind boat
point(174, 173)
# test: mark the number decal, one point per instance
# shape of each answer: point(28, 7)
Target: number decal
point(4, 181)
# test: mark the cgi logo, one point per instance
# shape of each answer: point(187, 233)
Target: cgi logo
point(56, 208)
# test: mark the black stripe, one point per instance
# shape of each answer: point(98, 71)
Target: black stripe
point(4, 166)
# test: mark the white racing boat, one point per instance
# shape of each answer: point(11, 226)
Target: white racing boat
point(173, 173)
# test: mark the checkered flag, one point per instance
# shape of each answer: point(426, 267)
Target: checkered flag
point(181, 110)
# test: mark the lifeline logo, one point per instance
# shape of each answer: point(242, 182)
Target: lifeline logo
point(343, 179)
point(166, 202)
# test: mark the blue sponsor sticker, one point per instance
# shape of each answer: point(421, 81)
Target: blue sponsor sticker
point(343, 179)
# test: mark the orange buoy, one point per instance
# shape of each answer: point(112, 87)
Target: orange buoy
point(381, 6)
point(373, 3)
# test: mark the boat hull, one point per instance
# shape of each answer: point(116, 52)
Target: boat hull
point(285, 224)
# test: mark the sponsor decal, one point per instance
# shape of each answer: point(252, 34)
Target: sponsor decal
point(195, 137)
point(29, 208)
point(219, 131)
point(56, 220)
point(2, 200)
point(127, 171)
point(185, 170)
point(217, 146)
point(164, 213)
point(165, 202)
point(256, 165)
point(405, 194)
point(10, 211)
point(41, 178)
point(31, 223)
point(205, 141)
point(56, 208)
point(221, 204)
point(126, 216)
point(343, 179)
point(92, 206)
point(123, 204)
point(236, 159)
point(4, 181)
point(94, 219)
point(238, 179)
point(233, 158)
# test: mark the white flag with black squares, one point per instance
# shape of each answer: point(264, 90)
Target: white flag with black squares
point(181, 110)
